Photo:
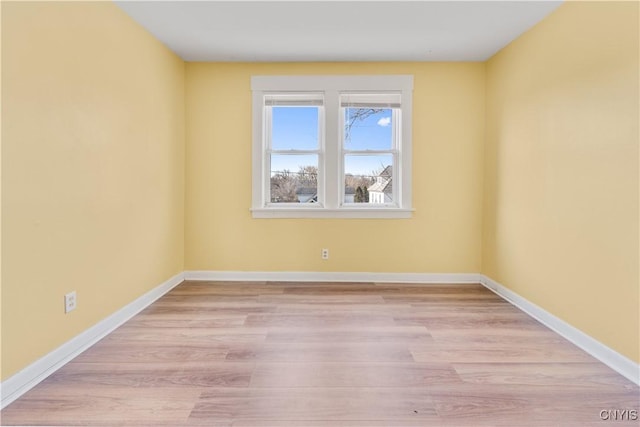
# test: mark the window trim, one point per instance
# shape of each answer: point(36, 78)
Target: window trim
point(331, 150)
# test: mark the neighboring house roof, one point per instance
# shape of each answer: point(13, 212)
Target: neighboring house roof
point(384, 182)
point(381, 187)
point(306, 190)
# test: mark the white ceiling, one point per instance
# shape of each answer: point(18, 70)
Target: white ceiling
point(301, 31)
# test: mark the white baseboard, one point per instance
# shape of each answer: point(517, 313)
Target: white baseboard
point(624, 366)
point(321, 276)
point(18, 384)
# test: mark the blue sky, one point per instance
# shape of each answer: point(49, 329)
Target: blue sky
point(296, 128)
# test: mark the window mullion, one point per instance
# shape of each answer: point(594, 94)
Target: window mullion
point(321, 184)
point(369, 152)
point(397, 159)
point(266, 183)
point(293, 152)
point(332, 163)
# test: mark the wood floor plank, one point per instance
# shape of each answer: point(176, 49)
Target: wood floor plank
point(594, 375)
point(323, 352)
point(323, 374)
point(189, 335)
point(222, 309)
point(386, 334)
point(182, 320)
point(490, 336)
point(208, 300)
point(434, 323)
point(210, 288)
point(317, 320)
point(64, 406)
point(471, 299)
point(496, 334)
point(314, 299)
point(183, 375)
point(317, 404)
point(529, 405)
point(106, 351)
point(407, 422)
point(549, 350)
point(498, 353)
point(337, 309)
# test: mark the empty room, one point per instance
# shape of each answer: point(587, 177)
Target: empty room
point(320, 213)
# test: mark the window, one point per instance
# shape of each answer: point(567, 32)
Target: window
point(292, 141)
point(332, 146)
point(370, 147)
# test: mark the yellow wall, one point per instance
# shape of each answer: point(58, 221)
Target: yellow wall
point(444, 234)
point(92, 170)
point(98, 195)
point(561, 182)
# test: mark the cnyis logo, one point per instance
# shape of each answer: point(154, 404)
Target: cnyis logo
point(619, 415)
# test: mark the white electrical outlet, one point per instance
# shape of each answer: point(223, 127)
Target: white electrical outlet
point(70, 302)
point(325, 254)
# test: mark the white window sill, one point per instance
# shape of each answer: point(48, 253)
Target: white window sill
point(380, 213)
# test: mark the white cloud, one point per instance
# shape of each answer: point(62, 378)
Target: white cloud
point(385, 121)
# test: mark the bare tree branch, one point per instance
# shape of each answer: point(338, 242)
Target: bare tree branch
point(355, 115)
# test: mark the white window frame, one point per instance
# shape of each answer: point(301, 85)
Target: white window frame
point(331, 151)
point(394, 150)
point(267, 145)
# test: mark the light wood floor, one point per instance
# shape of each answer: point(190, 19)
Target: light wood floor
point(329, 354)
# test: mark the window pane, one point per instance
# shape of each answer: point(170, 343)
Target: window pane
point(368, 179)
point(368, 128)
point(294, 178)
point(294, 128)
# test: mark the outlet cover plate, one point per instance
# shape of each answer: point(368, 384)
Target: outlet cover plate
point(70, 302)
